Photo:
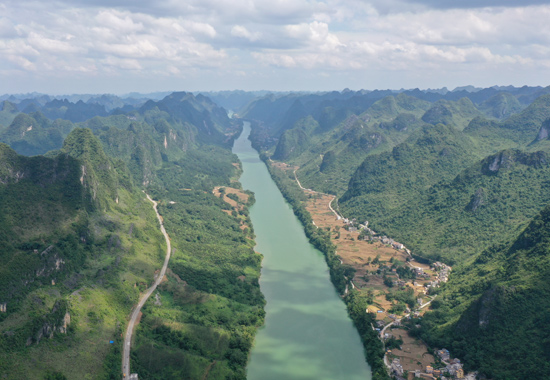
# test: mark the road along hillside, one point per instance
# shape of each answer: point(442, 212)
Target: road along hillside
point(144, 298)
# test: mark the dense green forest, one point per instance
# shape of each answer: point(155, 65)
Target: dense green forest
point(493, 313)
point(450, 194)
point(80, 242)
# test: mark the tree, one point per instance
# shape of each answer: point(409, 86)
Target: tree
point(54, 376)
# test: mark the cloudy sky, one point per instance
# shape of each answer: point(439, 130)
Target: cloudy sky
point(118, 46)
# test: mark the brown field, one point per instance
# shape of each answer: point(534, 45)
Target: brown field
point(243, 197)
point(354, 252)
point(283, 166)
point(230, 190)
point(412, 352)
point(360, 254)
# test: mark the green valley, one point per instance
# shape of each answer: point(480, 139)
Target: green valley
point(457, 181)
point(80, 242)
point(430, 209)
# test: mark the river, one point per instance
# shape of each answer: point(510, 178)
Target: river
point(307, 332)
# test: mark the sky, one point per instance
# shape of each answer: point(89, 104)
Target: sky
point(121, 46)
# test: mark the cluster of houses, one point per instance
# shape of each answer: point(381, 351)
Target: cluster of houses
point(442, 275)
point(372, 236)
point(420, 273)
point(397, 368)
point(443, 271)
point(452, 371)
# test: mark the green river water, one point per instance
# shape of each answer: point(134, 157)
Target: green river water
point(307, 332)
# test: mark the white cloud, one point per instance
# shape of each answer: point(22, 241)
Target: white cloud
point(188, 38)
point(201, 28)
point(122, 63)
point(22, 62)
point(279, 60)
point(119, 22)
point(438, 39)
point(316, 34)
point(48, 45)
point(242, 32)
point(113, 39)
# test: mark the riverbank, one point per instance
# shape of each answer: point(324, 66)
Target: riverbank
point(340, 273)
point(308, 333)
point(394, 282)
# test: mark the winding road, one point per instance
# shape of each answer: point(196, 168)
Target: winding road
point(313, 191)
point(144, 298)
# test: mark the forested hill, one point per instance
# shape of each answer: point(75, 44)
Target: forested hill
point(390, 180)
point(183, 118)
point(279, 113)
point(199, 114)
point(458, 179)
point(63, 257)
point(460, 190)
point(348, 126)
point(80, 242)
point(456, 217)
point(494, 313)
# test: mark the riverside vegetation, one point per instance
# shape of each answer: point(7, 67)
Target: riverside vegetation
point(80, 241)
point(356, 302)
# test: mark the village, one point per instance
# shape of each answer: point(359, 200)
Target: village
point(388, 271)
point(365, 250)
point(452, 369)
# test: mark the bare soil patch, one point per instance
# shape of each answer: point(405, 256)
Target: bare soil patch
point(413, 354)
point(237, 206)
point(283, 166)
